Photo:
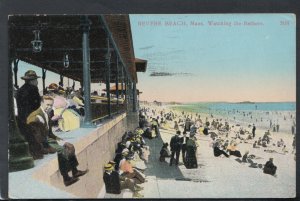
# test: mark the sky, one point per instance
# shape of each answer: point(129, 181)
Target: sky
point(225, 57)
point(210, 57)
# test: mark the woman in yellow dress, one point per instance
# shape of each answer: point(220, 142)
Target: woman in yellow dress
point(67, 118)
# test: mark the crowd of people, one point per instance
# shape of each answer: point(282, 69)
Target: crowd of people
point(225, 138)
point(62, 109)
point(126, 170)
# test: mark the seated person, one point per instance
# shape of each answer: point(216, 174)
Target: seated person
point(226, 144)
point(114, 183)
point(67, 119)
point(245, 157)
point(218, 151)
point(205, 131)
point(128, 171)
point(249, 137)
point(255, 145)
point(148, 133)
point(164, 152)
point(284, 149)
point(259, 142)
point(269, 167)
point(264, 143)
point(280, 143)
point(232, 150)
point(67, 160)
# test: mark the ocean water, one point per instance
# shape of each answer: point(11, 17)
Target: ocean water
point(222, 106)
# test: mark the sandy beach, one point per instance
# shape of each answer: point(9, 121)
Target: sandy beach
point(222, 177)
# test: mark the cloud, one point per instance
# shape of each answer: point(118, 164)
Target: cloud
point(157, 74)
point(146, 47)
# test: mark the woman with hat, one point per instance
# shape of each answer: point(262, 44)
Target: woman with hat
point(191, 148)
point(67, 119)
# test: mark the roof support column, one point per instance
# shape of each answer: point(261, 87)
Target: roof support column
point(107, 65)
point(16, 62)
point(19, 157)
point(122, 86)
point(61, 82)
point(43, 78)
point(117, 81)
point(85, 25)
point(126, 92)
point(134, 97)
point(73, 86)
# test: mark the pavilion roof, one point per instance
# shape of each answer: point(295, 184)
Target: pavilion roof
point(63, 34)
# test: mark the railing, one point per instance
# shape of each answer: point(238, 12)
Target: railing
point(99, 110)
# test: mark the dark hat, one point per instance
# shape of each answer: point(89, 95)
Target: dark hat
point(53, 87)
point(30, 75)
point(178, 132)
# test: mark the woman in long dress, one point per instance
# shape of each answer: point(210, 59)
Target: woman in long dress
point(191, 156)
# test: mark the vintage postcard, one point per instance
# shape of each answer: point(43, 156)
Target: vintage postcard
point(152, 106)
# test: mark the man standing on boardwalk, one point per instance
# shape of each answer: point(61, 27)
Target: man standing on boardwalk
point(175, 145)
point(184, 139)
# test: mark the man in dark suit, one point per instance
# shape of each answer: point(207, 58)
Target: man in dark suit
point(184, 139)
point(28, 97)
point(175, 145)
point(114, 183)
point(67, 160)
point(28, 100)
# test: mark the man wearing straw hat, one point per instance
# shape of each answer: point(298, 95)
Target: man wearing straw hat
point(114, 183)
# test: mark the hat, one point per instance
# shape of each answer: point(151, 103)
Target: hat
point(30, 75)
point(108, 166)
point(61, 89)
point(53, 87)
point(125, 152)
point(112, 162)
point(178, 132)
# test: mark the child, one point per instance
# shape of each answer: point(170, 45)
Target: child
point(164, 152)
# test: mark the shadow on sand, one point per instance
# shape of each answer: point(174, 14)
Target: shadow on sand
point(159, 169)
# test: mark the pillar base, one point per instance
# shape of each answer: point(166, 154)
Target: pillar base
point(132, 120)
point(18, 160)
